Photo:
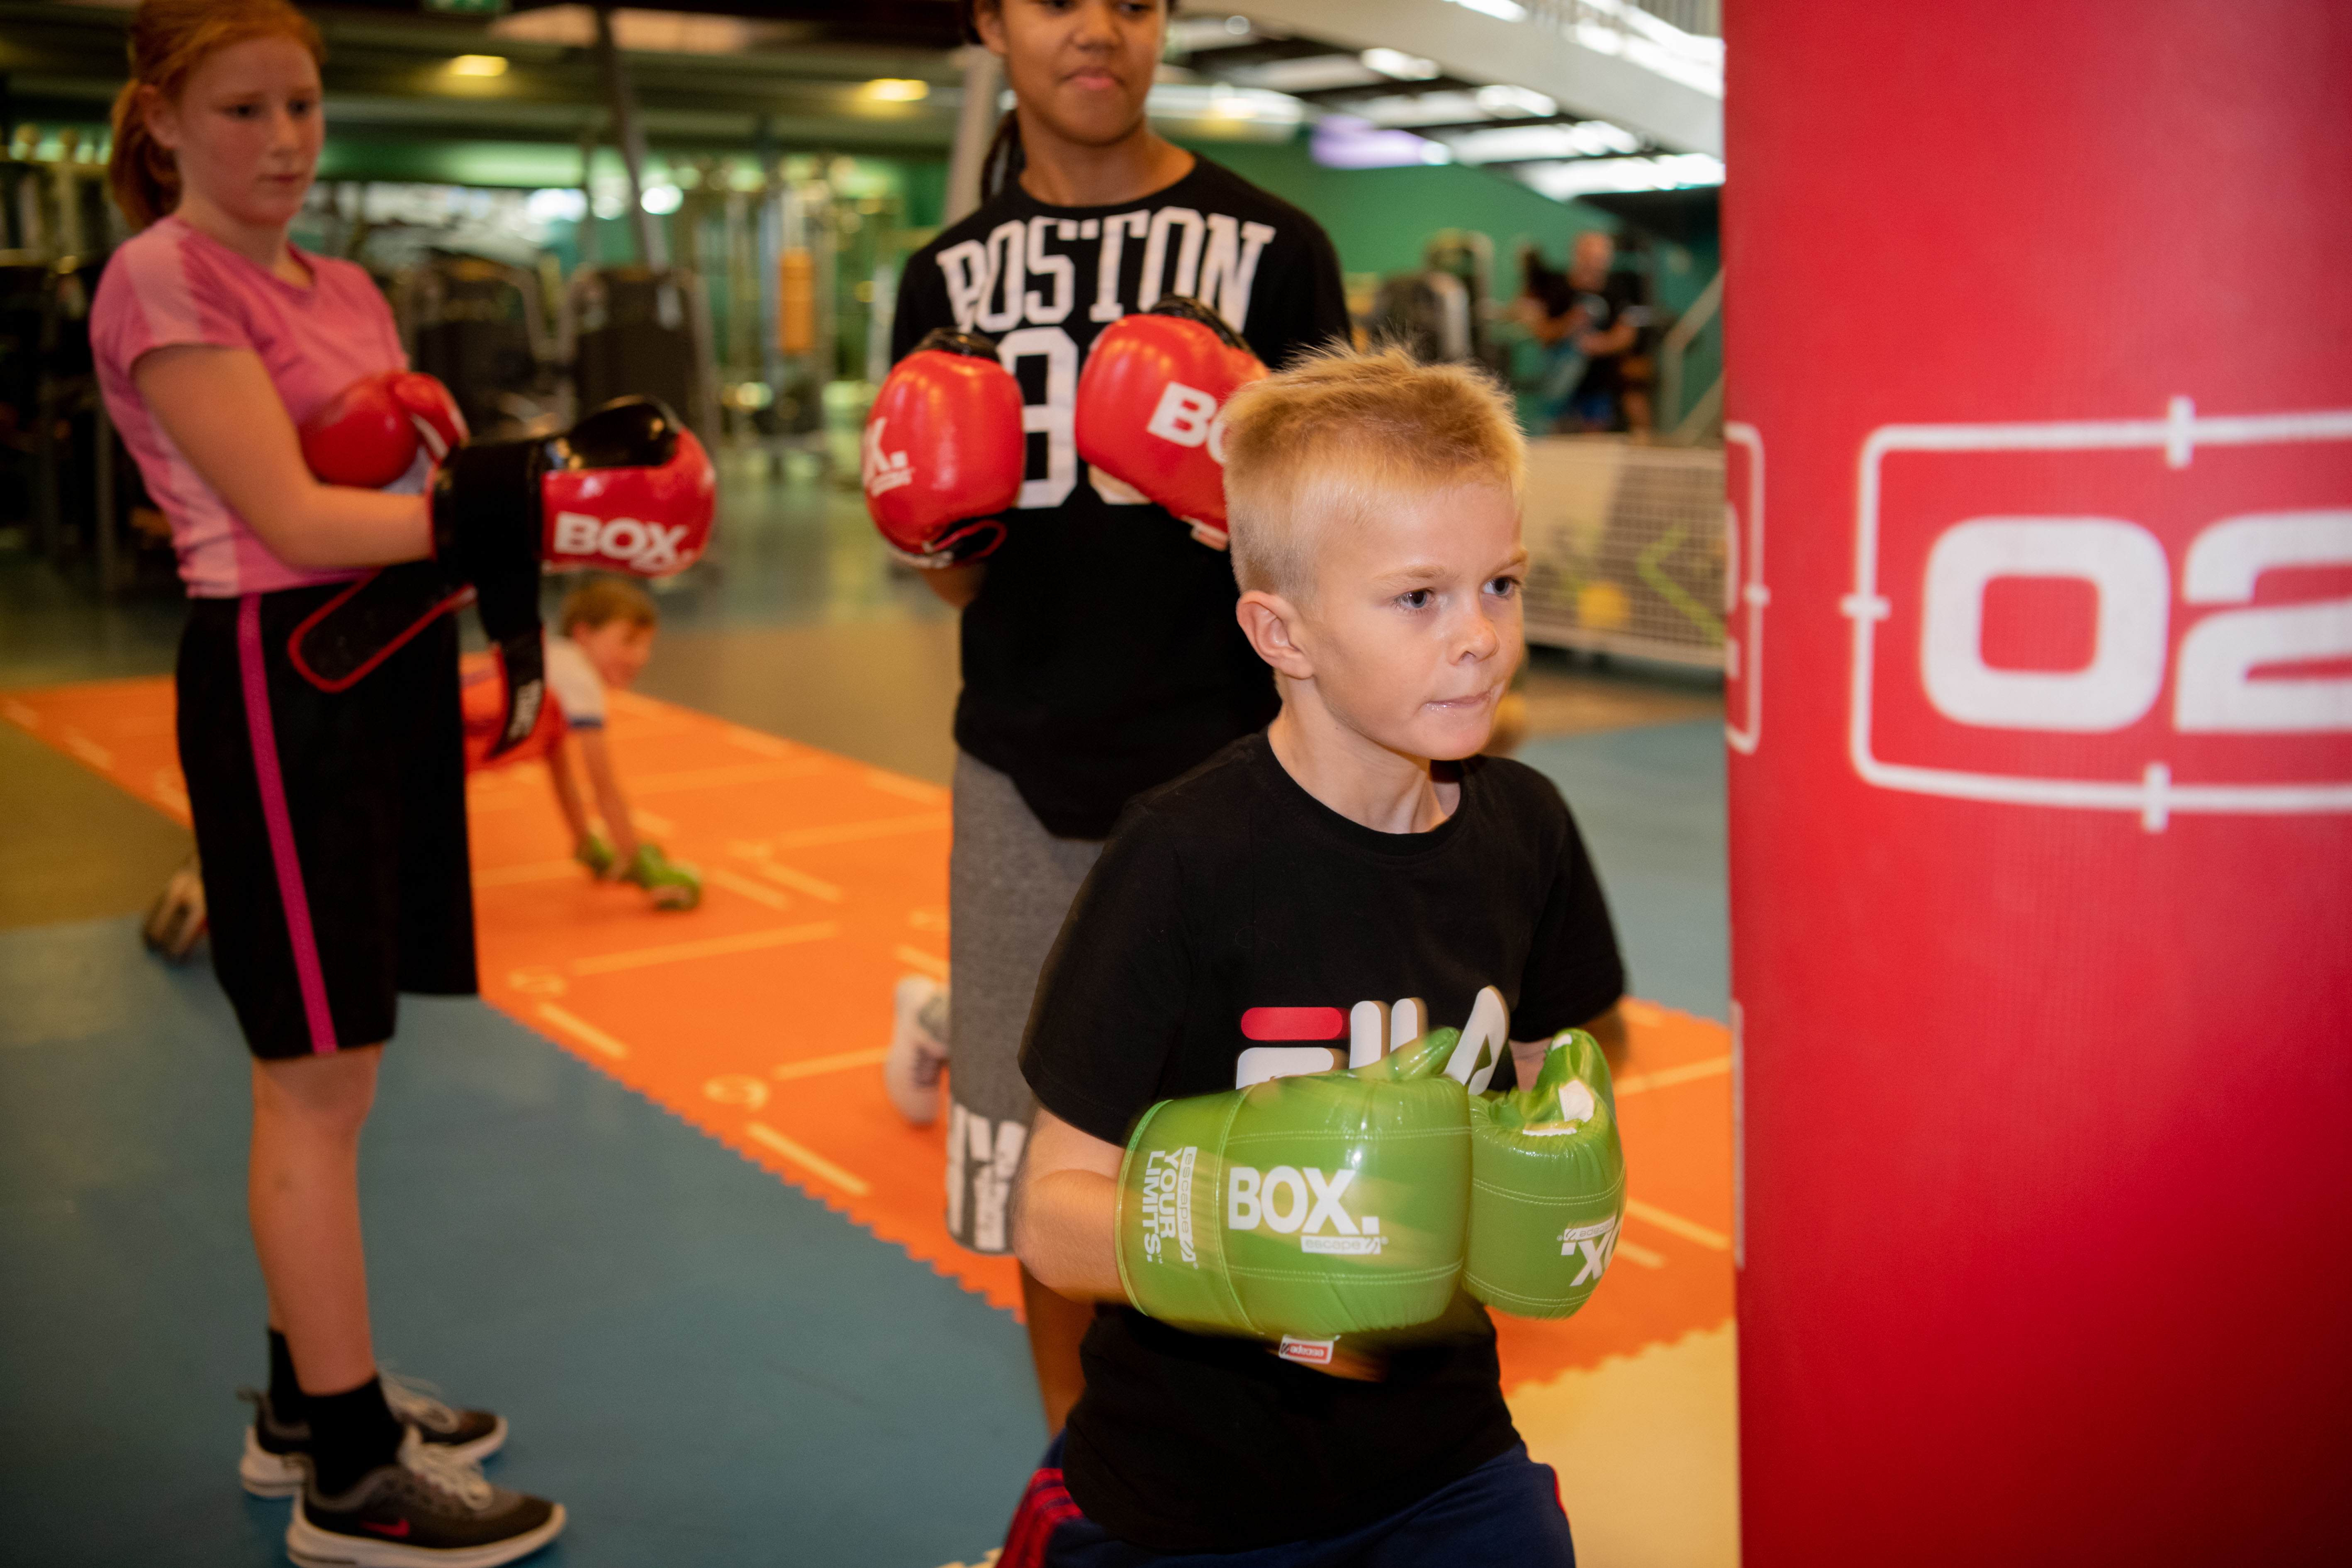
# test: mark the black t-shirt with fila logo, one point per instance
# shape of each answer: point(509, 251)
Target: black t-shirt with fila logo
point(1234, 929)
point(1101, 656)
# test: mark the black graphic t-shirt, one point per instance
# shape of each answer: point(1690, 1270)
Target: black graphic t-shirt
point(1101, 656)
point(1229, 933)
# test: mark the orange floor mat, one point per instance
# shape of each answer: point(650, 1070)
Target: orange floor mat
point(760, 1017)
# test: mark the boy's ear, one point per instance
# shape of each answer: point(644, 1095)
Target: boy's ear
point(1274, 628)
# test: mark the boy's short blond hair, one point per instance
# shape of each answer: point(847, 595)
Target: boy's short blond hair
point(604, 600)
point(1331, 439)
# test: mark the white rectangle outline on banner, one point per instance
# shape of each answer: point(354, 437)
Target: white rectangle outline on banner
point(2153, 795)
point(1753, 594)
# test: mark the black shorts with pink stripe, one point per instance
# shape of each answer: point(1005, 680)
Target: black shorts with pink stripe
point(331, 825)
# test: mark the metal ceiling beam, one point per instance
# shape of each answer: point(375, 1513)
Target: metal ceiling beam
point(630, 138)
point(1472, 44)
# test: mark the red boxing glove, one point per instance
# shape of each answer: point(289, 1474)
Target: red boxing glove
point(944, 451)
point(1148, 405)
point(369, 434)
point(627, 487)
point(631, 489)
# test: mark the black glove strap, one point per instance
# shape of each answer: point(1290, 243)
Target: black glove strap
point(1190, 309)
point(340, 641)
point(523, 660)
point(947, 340)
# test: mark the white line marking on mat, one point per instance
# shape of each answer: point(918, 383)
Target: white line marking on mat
point(89, 750)
point(585, 1032)
point(851, 832)
point(815, 1066)
point(762, 1134)
point(1688, 1229)
point(536, 872)
point(798, 881)
point(915, 957)
point(739, 773)
point(1666, 1078)
point(713, 947)
point(765, 745)
point(723, 878)
point(906, 788)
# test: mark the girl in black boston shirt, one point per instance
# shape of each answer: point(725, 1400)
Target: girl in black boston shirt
point(1101, 653)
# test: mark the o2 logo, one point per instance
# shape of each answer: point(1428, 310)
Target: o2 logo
point(2144, 615)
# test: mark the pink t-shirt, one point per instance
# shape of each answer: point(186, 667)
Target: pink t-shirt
point(171, 284)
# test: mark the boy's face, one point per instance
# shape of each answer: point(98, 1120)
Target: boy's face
point(1414, 632)
point(618, 651)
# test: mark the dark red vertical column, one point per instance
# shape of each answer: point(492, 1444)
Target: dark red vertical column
point(2041, 397)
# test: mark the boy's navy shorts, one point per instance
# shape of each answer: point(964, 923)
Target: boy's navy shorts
point(1505, 1510)
point(331, 824)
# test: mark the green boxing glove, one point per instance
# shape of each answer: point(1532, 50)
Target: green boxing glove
point(1547, 1185)
point(1304, 1208)
point(674, 884)
point(597, 854)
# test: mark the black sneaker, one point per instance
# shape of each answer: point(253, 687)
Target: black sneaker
point(277, 1454)
point(429, 1511)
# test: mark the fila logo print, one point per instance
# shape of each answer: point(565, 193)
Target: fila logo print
point(1367, 1032)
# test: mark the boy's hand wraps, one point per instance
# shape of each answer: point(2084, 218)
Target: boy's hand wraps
point(594, 853)
point(674, 884)
point(1149, 403)
point(1547, 1185)
point(944, 451)
point(1312, 1206)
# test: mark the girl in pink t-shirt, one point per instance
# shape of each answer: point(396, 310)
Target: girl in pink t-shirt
point(331, 824)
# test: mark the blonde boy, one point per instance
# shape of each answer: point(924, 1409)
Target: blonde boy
point(605, 634)
point(1358, 851)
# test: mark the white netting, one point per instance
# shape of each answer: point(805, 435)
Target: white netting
point(1626, 548)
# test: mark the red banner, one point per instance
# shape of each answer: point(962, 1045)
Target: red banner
point(2041, 783)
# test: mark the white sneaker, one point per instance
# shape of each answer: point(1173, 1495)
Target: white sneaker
point(919, 1048)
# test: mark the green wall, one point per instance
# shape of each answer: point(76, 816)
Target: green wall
point(1380, 219)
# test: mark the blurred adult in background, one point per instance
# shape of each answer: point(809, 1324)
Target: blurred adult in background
point(1588, 321)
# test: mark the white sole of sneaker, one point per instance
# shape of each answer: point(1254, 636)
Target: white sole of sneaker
point(266, 1473)
point(314, 1548)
